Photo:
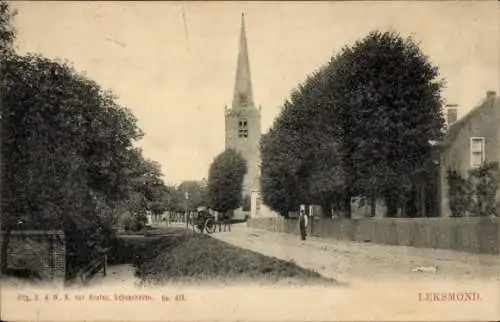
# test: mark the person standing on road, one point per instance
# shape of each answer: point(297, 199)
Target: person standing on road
point(302, 223)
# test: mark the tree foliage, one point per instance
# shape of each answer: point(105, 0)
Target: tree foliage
point(355, 127)
point(68, 156)
point(459, 194)
point(476, 194)
point(7, 30)
point(173, 199)
point(68, 159)
point(64, 141)
point(225, 181)
point(279, 183)
point(301, 154)
point(487, 183)
point(389, 95)
point(197, 195)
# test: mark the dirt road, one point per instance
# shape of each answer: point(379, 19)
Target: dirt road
point(352, 262)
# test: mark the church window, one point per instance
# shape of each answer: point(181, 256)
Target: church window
point(243, 128)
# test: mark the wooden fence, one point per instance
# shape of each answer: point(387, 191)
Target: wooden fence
point(97, 265)
point(480, 235)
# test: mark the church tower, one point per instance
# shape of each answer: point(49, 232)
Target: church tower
point(243, 119)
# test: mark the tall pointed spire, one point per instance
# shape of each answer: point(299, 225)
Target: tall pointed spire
point(243, 94)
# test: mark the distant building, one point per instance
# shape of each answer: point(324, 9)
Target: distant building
point(469, 142)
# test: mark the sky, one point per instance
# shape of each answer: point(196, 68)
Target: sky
point(173, 63)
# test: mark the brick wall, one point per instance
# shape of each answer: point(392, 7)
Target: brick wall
point(472, 234)
point(43, 252)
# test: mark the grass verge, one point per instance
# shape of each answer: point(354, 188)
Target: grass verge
point(192, 258)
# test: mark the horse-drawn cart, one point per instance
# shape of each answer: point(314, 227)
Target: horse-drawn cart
point(203, 221)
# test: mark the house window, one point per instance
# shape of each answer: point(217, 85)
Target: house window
point(477, 155)
point(243, 128)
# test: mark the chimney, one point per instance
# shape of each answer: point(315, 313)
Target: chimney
point(490, 98)
point(452, 113)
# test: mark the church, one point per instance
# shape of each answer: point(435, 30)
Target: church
point(243, 125)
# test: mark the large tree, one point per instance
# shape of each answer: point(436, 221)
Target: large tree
point(301, 154)
point(173, 199)
point(7, 36)
point(146, 190)
point(65, 150)
point(389, 97)
point(61, 131)
point(355, 127)
point(320, 142)
point(283, 162)
point(67, 153)
point(225, 181)
point(280, 188)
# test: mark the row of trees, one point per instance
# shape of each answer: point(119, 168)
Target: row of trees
point(355, 128)
point(69, 159)
point(222, 191)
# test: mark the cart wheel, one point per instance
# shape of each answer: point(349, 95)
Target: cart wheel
point(210, 225)
point(196, 228)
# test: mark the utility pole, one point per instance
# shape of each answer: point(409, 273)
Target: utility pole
point(186, 196)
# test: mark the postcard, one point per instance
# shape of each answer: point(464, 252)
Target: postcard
point(250, 161)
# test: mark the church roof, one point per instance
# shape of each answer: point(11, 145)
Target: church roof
point(243, 93)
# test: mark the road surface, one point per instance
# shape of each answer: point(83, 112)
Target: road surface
point(352, 262)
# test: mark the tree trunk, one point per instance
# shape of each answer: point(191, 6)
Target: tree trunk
point(391, 202)
point(311, 223)
point(326, 210)
point(302, 227)
point(392, 208)
point(5, 248)
point(6, 235)
point(347, 206)
point(373, 205)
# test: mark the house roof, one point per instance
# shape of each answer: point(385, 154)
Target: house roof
point(455, 128)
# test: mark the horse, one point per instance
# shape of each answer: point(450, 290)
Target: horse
point(224, 219)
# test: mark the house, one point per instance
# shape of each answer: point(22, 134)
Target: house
point(468, 143)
